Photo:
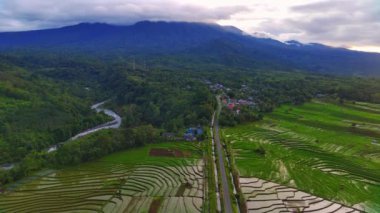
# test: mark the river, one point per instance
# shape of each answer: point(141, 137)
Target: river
point(98, 107)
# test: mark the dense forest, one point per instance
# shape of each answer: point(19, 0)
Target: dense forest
point(37, 112)
point(45, 99)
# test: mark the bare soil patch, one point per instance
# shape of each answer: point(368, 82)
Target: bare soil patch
point(155, 206)
point(158, 152)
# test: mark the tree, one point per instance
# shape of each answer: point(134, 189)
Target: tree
point(145, 134)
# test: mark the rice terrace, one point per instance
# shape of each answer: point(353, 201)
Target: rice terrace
point(318, 157)
point(129, 181)
point(318, 149)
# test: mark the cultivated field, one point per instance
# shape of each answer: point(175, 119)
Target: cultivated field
point(165, 177)
point(265, 196)
point(327, 150)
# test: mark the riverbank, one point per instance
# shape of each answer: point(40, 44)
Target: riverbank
point(98, 107)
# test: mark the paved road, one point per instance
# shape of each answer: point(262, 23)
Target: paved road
point(222, 171)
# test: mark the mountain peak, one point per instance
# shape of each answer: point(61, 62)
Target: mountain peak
point(233, 29)
point(87, 24)
point(294, 43)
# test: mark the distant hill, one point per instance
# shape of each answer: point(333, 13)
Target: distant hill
point(206, 42)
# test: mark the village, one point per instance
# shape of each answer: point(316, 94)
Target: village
point(232, 103)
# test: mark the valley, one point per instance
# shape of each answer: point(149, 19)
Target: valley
point(197, 117)
point(290, 161)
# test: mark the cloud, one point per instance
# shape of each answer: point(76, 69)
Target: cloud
point(324, 6)
point(32, 14)
point(339, 22)
point(334, 22)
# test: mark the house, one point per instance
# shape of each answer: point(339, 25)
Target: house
point(231, 106)
point(189, 137)
point(219, 86)
point(199, 131)
point(245, 102)
point(242, 102)
point(216, 87)
point(195, 131)
point(192, 133)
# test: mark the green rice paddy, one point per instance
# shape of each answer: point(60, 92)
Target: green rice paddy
point(128, 181)
point(325, 149)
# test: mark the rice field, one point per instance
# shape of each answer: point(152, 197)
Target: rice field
point(264, 196)
point(326, 150)
point(129, 181)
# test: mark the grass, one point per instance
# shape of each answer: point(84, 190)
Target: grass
point(129, 181)
point(141, 154)
point(211, 203)
point(315, 148)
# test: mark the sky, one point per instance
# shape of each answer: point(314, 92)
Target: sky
point(353, 24)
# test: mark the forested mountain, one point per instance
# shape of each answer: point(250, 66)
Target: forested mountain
point(204, 43)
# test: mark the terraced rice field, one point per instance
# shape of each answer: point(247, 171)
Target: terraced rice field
point(265, 196)
point(130, 181)
point(326, 150)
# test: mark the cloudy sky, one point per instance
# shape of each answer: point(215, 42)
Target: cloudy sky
point(353, 24)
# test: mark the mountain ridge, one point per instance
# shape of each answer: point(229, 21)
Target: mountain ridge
point(195, 39)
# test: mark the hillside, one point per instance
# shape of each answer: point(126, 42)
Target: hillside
point(204, 43)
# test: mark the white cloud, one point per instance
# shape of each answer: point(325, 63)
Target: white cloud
point(338, 23)
point(29, 14)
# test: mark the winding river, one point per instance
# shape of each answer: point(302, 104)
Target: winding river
point(98, 107)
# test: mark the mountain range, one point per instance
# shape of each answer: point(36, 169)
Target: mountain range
point(223, 45)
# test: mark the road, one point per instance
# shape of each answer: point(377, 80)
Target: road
point(222, 171)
